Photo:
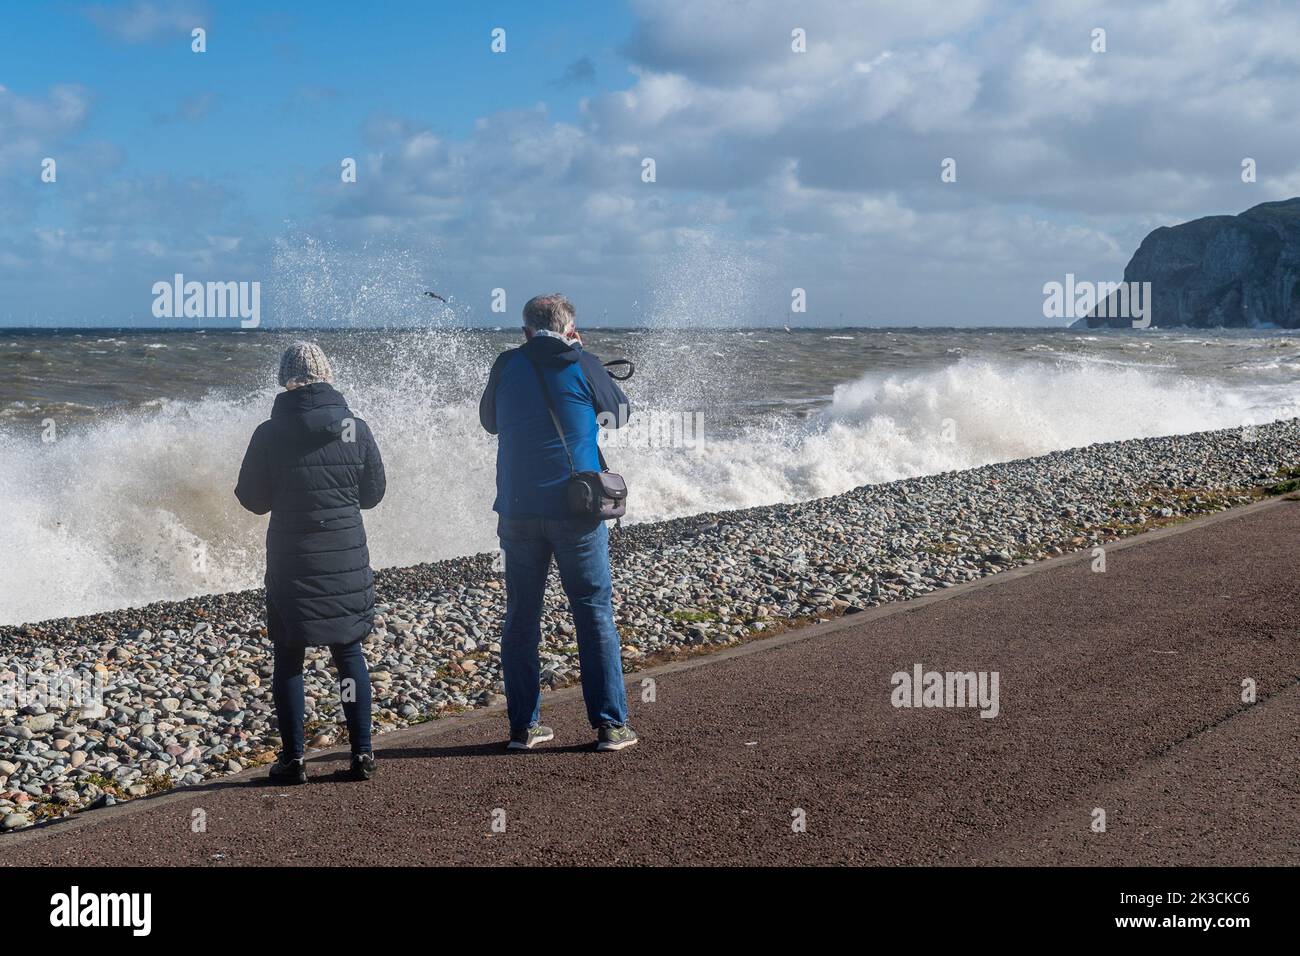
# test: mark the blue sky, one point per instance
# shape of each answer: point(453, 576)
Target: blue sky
point(522, 170)
point(281, 88)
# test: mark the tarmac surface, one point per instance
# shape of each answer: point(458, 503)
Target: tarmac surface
point(1118, 691)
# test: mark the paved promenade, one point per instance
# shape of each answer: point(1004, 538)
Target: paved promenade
point(1118, 690)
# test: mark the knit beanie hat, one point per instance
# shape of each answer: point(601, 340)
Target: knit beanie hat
point(303, 363)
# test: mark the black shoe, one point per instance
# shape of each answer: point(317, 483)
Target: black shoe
point(363, 766)
point(289, 771)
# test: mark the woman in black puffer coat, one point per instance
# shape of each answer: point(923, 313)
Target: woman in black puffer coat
point(315, 466)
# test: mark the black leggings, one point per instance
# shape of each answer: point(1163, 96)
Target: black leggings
point(354, 689)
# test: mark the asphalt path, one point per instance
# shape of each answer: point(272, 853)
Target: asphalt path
point(1118, 692)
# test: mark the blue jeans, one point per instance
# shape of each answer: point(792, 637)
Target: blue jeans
point(287, 692)
point(581, 551)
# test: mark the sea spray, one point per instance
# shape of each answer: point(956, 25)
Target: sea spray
point(135, 504)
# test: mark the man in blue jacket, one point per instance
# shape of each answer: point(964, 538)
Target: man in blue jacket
point(534, 522)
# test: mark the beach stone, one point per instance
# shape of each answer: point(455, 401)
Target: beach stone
point(204, 689)
point(41, 723)
point(15, 821)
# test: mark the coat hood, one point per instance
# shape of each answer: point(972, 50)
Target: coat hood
point(317, 408)
point(549, 351)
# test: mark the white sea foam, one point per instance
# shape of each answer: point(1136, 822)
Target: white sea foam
point(882, 428)
point(139, 507)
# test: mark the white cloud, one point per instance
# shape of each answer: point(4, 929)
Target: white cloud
point(30, 129)
point(822, 165)
point(144, 21)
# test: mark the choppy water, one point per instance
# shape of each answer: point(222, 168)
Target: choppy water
point(149, 428)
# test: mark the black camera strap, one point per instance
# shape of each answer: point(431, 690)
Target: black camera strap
point(555, 418)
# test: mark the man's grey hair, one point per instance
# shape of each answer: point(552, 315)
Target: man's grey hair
point(552, 312)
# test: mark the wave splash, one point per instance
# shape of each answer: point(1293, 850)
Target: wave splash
point(140, 507)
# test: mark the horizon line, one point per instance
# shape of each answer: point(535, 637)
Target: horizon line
point(587, 328)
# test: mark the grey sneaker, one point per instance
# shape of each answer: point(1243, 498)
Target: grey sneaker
point(615, 738)
point(530, 738)
point(363, 766)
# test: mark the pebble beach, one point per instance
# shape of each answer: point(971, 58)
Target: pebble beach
point(174, 694)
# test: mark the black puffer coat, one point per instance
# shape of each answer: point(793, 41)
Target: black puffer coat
point(314, 466)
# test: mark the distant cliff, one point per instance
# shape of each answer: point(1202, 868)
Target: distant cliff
point(1231, 271)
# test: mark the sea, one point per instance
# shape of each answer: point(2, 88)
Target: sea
point(119, 449)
